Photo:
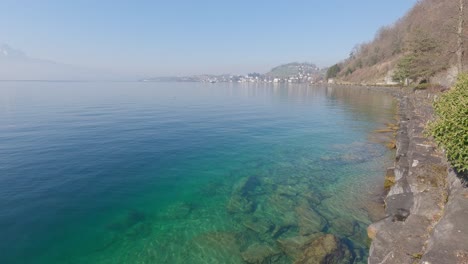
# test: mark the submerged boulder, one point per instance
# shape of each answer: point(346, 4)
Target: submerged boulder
point(246, 186)
point(259, 225)
point(309, 220)
point(390, 179)
point(344, 226)
point(286, 190)
point(277, 208)
point(312, 197)
point(213, 247)
point(326, 249)
point(293, 247)
point(260, 254)
point(241, 199)
point(239, 204)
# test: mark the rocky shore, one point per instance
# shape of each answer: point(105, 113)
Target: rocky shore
point(427, 204)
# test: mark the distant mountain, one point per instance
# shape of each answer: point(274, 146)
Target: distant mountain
point(6, 52)
point(293, 69)
point(173, 79)
point(16, 65)
point(291, 72)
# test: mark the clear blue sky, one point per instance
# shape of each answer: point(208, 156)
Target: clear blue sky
point(180, 37)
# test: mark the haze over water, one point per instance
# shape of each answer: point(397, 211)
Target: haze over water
point(183, 172)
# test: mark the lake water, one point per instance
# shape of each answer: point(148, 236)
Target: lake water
point(185, 172)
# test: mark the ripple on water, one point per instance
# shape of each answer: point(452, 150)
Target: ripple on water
point(190, 174)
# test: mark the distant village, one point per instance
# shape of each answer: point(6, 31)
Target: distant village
point(288, 73)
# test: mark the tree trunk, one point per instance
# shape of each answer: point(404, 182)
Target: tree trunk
point(460, 48)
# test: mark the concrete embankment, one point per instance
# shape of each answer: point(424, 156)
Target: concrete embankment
point(427, 207)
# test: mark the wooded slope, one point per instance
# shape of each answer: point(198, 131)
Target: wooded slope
point(429, 29)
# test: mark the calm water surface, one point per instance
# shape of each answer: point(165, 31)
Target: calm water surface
point(184, 172)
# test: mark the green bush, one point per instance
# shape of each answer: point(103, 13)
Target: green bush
point(450, 129)
point(429, 86)
point(333, 71)
point(422, 86)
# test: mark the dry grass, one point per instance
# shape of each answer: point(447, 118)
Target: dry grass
point(371, 62)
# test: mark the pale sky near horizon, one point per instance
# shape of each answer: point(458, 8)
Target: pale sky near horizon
point(156, 38)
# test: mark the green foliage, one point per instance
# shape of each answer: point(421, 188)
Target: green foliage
point(422, 86)
point(420, 62)
point(349, 71)
point(403, 69)
point(428, 86)
point(359, 64)
point(450, 129)
point(333, 71)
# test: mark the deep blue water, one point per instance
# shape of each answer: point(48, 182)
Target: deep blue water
point(154, 172)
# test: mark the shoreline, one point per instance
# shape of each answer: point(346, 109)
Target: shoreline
point(426, 204)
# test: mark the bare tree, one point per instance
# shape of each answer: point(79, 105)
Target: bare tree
point(460, 43)
point(445, 23)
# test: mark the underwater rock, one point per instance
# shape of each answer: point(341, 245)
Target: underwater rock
point(390, 179)
point(343, 226)
point(286, 190)
point(294, 246)
point(280, 203)
point(246, 186)
point(272, 216)
point(278, 209)
point(260, 254)
point(284, 230)
point(259, 225)
point(268, 180)
point(247, 237)
point(372, 230)
point(392, 126)
point(238, 204)
point(241, 201)
point(311, 197)
point(385, 130)
point(309, 220)
point(391, 145)
point(325, 249)
point(214, 247)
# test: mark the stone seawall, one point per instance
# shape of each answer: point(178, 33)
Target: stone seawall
point(427, 207)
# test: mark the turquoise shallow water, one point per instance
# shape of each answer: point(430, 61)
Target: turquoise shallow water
point(184, 172)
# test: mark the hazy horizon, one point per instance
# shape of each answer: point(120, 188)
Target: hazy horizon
point(124, 40)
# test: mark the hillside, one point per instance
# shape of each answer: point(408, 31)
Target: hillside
point(292, 69)
point(294, 72)
point(421, 45)
point(17, 65)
